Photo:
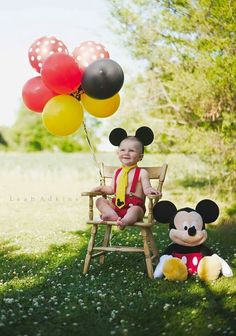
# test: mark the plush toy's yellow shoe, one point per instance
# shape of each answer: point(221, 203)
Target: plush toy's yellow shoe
point(175, 270)
point(209, 268)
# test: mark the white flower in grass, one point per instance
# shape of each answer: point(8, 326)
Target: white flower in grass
point(113, 313)
point(166, 306)
point(8, 300)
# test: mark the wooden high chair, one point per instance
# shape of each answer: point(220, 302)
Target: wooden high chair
point(149, 247)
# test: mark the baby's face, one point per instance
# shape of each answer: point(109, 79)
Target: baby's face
point(130, 152)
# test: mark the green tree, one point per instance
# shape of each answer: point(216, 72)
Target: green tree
point(187, 88)
point(3, 138)
point(189, 51)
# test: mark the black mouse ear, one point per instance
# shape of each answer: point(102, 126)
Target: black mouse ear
point(117, 135)
point(208, 209)
point(145, 135)
point(164, 211)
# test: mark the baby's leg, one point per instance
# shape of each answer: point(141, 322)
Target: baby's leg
point(106, 209)
point(134, 214)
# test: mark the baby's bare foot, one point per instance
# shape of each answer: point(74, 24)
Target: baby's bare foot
point(120, 224)
point(109, 217)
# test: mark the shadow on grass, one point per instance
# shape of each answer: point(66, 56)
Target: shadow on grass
point(47, 294)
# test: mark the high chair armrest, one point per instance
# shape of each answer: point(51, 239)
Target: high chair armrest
point(153, 197)
point(92, 193)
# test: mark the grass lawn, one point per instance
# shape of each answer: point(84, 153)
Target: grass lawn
point(43, 240)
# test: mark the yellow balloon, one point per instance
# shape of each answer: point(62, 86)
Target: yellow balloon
point(62, 115)
point(101, 108)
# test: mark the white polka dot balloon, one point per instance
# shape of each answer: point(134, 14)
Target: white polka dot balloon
point(87, 52)
point(42, 48)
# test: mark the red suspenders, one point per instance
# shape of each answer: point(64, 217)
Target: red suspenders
point(134, 182)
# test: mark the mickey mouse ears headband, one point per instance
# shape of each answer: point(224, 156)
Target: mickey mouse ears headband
point(144, 134)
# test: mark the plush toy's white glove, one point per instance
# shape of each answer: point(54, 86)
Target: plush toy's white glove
point(225, 269)
point(159, 269)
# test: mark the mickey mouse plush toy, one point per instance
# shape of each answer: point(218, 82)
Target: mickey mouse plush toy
point(187, 254)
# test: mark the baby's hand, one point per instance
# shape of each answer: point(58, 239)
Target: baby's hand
point(97, 189)
point(152, 191)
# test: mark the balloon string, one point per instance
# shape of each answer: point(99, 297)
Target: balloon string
point(93, 153)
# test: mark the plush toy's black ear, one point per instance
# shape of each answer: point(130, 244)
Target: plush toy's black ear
point(117, 135)
point(208, 209)
point(164, 211)
point(145, 135)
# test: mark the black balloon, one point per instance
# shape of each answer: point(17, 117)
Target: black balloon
point(102, 79)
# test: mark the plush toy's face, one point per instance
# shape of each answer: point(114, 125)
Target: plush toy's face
point(187, 229)
point(187, 226)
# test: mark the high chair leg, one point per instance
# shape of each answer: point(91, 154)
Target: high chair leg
point(90, 249)
point(106, 241)
point(147, 253)
point(155, 255)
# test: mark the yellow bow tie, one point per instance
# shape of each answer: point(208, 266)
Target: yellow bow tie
point(122, 185)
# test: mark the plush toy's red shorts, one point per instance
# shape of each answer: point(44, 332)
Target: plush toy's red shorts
point(129, 202)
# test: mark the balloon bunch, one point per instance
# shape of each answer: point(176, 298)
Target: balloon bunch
point(87, 79)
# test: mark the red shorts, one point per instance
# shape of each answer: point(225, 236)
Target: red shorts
point(129, 202)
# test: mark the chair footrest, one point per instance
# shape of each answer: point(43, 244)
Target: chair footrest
point(118, 249)
point(137, 224)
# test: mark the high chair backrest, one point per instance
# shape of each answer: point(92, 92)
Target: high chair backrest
point(155, 173)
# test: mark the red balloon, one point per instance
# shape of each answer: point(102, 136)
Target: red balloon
point(36, 94)
point(42, 48)
point(87, 52)
point(61, 73)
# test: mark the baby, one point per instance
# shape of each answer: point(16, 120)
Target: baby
point(130, 183)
